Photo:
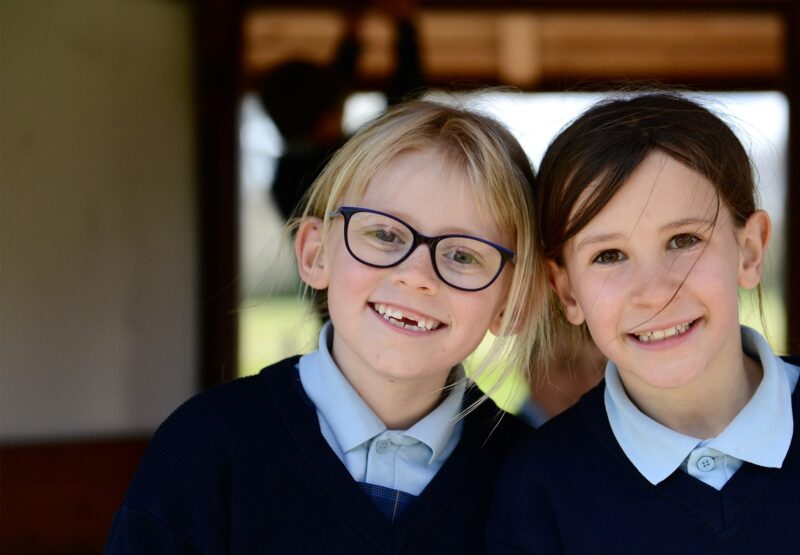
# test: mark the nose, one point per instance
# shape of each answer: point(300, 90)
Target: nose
point(417, 271)
point(655, 283)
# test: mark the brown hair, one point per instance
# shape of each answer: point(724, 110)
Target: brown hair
point(596, 154)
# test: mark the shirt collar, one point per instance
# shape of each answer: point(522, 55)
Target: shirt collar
point(759, 434)
point(436, 427)
point(352, 421)
point(655, 450)
point(762, 431)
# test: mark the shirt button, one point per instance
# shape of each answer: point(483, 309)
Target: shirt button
point(381, 446)
point(706, 463)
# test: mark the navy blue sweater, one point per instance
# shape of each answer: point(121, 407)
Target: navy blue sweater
point(243, 468)
point(571, 489)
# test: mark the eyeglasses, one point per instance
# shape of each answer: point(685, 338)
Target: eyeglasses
point(381, 240)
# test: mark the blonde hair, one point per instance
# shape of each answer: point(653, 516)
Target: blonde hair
point(500, 176)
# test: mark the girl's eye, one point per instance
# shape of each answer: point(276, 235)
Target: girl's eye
point(609, 257)
point(385, 235)
point(683, 241)
point(461, 257)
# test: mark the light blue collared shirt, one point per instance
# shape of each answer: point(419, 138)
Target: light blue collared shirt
point(406, 460)
point(760, 434)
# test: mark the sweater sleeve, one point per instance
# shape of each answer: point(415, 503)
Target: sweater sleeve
point(178, 500)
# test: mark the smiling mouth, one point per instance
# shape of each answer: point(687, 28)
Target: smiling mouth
point(405, 320)
point(661, 335)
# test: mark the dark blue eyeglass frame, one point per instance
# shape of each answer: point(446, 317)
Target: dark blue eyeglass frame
point(346, 212)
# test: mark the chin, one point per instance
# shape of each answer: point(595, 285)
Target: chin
point(667, 379)
point(401, 373)
point(406, 371)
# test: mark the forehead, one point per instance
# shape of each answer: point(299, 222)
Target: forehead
point(660, 191)
point(430, 190)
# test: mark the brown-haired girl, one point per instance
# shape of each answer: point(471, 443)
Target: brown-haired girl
point(649, 223)
point(421, 232)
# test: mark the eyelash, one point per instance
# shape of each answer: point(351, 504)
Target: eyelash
point(693, 238)
point(619, 256)
point(598, 259)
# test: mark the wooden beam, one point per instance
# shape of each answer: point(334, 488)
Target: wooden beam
point(218, 26)
point(792, 90)
point(524, 48)
point(574, 5)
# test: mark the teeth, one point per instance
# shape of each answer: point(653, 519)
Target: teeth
point(660, 335)
point(394, 317)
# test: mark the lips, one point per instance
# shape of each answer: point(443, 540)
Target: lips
point(404, 319)
point(655, 336)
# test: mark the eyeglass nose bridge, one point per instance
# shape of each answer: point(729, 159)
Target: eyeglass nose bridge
point(418, 239)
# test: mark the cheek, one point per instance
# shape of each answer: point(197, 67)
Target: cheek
point(715, 278)
point(349, 281)
point(344, 268)
point(500, 289)
point(598, 293)
point(476, 310)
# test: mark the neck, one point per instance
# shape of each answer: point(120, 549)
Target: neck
point(569, 375)
point(398, 403)
point(400, 408)
point(703, 409)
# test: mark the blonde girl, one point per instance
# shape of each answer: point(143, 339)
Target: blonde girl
point(420, 233)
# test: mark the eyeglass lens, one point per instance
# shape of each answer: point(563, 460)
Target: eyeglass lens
point(379, 240)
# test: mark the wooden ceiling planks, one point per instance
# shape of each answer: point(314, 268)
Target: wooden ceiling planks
point(526, 47)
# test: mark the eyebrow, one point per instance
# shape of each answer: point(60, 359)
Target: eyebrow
point(404, 218)
point(593, 239)
point(685, 222)
point(677, 224)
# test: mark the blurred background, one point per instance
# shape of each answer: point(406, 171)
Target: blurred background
point(141, 251)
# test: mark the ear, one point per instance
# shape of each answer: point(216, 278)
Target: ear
point(753, 240)
point(497, 321)
point(559, 281)
point(308, 247)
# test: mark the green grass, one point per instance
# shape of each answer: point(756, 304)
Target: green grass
point(277, 327)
